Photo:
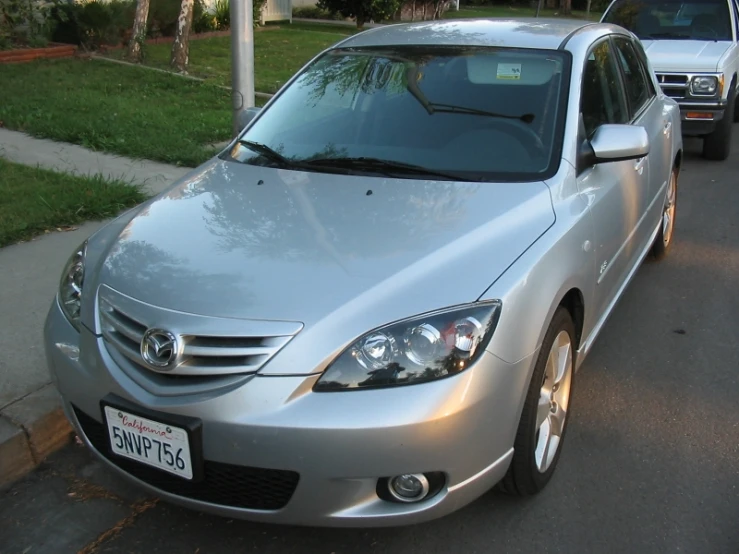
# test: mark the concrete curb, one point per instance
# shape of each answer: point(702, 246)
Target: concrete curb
point(31, 429)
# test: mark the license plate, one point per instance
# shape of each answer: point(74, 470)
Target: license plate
point(152, 443)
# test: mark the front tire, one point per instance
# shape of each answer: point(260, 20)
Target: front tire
point(717, 145)
point(663, 240)
point(544, 419)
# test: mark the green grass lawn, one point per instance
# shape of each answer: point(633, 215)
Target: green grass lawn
point(108, 107)
point(279, 51)
point(33, 200)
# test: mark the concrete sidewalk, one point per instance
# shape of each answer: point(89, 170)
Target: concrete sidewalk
point(31, 422)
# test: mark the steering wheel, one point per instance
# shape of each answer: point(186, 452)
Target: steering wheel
point(523, 133)
point(701, 27)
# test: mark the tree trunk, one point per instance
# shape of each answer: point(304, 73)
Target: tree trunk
point(425, 3)
point(565, 7)
point(587, 10)
point(413, 10)
point(181, 44)
point(138, 34)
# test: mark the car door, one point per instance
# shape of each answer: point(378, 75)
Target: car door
point(645, 110)
point(615, 191)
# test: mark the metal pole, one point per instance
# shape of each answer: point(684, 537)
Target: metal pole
point(538, 7)
point(242, 58)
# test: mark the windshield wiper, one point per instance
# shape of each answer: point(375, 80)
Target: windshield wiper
point(388, 167)
point(269, 153)
point(451, 108)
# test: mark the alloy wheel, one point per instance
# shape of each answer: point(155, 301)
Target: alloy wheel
point(554, 399)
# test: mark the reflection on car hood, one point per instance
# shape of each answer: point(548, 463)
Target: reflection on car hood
point(685, 56)
point(235, 240)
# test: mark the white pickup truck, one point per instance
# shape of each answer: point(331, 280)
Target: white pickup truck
point(693, 47)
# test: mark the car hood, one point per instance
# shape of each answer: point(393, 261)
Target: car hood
point(685, 56)
point(240, 241)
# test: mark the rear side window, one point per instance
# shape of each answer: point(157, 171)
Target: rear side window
point(635, 79)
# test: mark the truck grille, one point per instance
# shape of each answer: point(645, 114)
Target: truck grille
point(674, 85)
point(123, 326)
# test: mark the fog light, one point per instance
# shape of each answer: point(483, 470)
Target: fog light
point(409, 487)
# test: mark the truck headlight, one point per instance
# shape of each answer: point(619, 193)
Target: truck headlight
point(707, 85)
point(423, 348)
point(70, 287)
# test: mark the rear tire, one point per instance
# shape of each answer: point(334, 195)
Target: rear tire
point(545, 413)
point(717, 145)
point(664, 239)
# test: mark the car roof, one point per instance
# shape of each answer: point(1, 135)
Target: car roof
point(542, 33)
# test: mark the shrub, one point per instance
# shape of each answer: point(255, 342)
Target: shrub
point(257, 7)
point(362, 10)
point(314, 12)
point(206, 22)
point(94, 24)
point(163, 16)
point(222, 14)
point(28, 22)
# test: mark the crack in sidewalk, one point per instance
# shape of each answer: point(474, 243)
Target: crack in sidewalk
point(137, 509)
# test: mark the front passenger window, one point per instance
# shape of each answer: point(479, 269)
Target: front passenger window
point(635, 81)
point(602, 100)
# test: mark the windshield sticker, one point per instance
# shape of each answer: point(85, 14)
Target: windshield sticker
point(509, 71)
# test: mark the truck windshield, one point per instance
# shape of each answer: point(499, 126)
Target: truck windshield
point(671, 19)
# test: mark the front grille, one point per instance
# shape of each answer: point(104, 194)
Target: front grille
point(251, 488)
point(202, 354)
point(674, 85)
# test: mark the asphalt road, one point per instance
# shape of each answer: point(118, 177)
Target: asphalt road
point(651, 462)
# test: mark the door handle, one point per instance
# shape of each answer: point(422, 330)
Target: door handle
point(639, 165)
point(667, 128)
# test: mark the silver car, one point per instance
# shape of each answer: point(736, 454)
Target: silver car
point(369, 309)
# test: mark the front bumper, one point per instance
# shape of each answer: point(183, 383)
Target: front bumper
point(337, 444)
point(700, 119)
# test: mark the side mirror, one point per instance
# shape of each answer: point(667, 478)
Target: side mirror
point(245, 117)
point(615, 143)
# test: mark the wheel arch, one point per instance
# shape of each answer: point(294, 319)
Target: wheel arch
point(574, 302)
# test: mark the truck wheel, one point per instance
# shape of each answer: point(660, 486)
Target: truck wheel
point(717, 145)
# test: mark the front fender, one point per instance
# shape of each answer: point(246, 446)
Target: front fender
point(531, 289)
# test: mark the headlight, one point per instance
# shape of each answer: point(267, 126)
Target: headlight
point(707, 85)
point(70, 288)
point(423, 348)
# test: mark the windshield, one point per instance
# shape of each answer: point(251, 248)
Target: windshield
point(660, 19)
point(460, 114)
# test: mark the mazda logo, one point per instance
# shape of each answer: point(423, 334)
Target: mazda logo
point(160, 349)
